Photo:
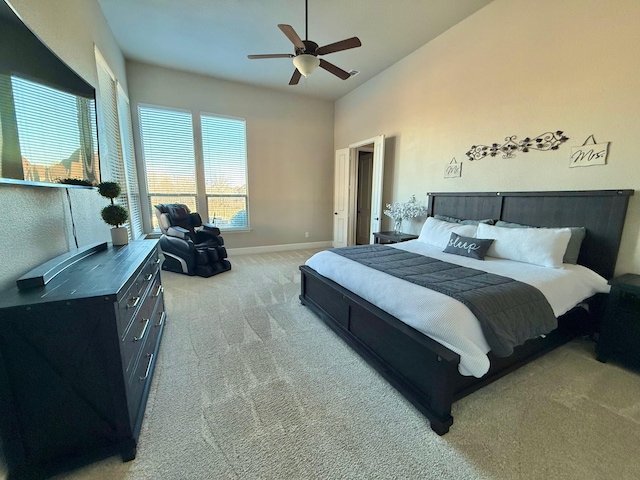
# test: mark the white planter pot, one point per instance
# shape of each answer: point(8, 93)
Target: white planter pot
point(119, 236)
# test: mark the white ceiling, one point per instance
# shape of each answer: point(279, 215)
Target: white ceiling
point(214, 37)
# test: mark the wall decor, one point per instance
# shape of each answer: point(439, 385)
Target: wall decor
point(453, 169)
point(543, 142)
point(589, 153)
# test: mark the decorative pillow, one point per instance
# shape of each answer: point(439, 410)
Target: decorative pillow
point(436, 232)
point(468, 246)
point(538, 246)
point(444, 218)
point(575, 242)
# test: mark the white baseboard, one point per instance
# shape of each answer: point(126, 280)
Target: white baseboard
point(279, 248)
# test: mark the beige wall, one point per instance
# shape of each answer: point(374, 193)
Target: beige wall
point(516, 67)
point(36, 224)
point(289, 149)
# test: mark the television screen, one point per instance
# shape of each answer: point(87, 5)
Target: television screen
point(48, 132)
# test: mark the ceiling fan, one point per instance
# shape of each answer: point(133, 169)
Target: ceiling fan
point(307, 52)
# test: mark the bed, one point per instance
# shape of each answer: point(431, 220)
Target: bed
point(427, 372)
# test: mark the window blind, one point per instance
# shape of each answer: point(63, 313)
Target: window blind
point(129, 161)
point(111, 146)
point(224, 154)
point(169, 156)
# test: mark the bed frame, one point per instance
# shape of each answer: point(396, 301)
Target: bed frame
point(426, 372)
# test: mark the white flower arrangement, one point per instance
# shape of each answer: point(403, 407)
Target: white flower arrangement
point(402, 211)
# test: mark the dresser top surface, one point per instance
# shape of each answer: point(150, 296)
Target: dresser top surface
point(103, 273)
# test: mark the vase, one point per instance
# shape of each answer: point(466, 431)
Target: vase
point(119, 236)
point(397, 225)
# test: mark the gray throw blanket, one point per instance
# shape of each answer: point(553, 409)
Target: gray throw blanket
point(510, 312)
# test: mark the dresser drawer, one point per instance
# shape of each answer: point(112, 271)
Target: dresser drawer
point(136, 334)
point(128, 305)
point(141, 376)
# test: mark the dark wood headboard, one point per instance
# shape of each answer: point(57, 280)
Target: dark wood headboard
point(601, 212)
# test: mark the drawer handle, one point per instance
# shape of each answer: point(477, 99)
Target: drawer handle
point(163, 315)
point(148, 370)
point(144, 330)
point(136, 300)
point(158, 291)
point(157, 261)
point(148, 277)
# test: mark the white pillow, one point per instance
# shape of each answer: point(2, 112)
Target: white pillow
point(436, 232)
point(539, 246)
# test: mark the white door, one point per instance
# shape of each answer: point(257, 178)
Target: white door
point(341, 198)
point(376, 185)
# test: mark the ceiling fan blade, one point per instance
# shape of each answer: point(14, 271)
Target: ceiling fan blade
point(295, 78)
point(271, 55)
point(352, 42)
point(330, 67)
point(291, 35)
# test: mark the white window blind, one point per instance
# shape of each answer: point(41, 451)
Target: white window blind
point(224, 153)
point(169, 156)
point(129, 160)
point(110, 141)
point(117, 143)
point(54, 135)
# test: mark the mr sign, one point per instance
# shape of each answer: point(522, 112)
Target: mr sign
point(453, 169)
point(589, 154)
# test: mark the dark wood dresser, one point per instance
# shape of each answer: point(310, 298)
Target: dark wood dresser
point(77, 355)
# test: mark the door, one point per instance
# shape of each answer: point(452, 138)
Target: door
point(341, 198)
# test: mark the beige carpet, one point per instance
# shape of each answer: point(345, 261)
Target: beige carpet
point(249, 384)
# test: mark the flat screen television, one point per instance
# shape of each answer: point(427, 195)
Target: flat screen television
point(48, 128)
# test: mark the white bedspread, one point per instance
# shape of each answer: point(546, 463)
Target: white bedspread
point(444, 319)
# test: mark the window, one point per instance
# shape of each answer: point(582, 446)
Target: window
point(224, 153)
point(47, 134)
point(129, 161)
point(116, 146)
point(215, 185)
point(169, 157)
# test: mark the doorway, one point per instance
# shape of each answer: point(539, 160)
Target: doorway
point(363, 194)
point(358, 176)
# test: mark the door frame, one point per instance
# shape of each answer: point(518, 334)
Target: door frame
point(376, 186)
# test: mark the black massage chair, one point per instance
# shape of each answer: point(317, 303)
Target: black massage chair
point(190, 246)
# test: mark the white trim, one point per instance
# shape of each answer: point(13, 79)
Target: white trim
point(278, 248)
point(365, 142)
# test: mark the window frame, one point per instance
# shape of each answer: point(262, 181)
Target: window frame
point(206, 196)
point(201, 196)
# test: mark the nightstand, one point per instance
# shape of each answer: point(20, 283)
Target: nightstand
point(620, 330)
point(392, 237)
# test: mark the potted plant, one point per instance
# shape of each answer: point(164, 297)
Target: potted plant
point(114, 214)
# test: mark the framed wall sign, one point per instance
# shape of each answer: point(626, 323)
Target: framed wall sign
point(453, 169)
point(589, 153)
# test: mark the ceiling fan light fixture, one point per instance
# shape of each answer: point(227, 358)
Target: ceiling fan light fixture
point(306, 63)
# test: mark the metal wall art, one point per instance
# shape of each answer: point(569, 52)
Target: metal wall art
point(543, 142)
point(589, 153)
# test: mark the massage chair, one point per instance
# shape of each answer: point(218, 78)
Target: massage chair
point(190, 246)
